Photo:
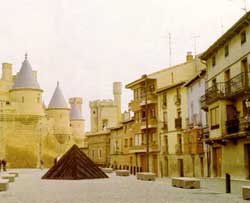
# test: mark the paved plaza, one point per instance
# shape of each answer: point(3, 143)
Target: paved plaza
point(29, 188)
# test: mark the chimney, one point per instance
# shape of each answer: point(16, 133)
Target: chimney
point(189, 57)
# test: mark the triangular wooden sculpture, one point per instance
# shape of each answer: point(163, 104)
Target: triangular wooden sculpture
point(74, 165)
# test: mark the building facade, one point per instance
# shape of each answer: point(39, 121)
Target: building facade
point(165, 114)
point(226, 101)
point(105, 115)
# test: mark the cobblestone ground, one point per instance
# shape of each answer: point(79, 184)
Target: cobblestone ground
point(29, 188)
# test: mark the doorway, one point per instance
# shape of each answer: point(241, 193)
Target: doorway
point(155, 168)
point(247, 160)
point(181, 167)
point(217, 161)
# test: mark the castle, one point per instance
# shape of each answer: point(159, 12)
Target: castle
point(30, 132)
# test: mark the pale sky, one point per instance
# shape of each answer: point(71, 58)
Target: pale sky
point(89, 44)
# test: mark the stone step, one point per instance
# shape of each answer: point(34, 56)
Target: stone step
point(186, 182)
point(148, 176)
point(122, 172)
point(4, 184)
point(9, 177)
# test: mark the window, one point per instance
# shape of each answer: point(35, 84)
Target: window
point(164, 99)
point(126, 143)
point(22, 99)
point(243, 37)
point(213, 61)
point(131, 142)
point(178, 92)
point(226, 50)
point(93, 154)
point(165, 117)
point(136, 94)
point(100, 153)
point(38, 99)
point(104, 124)
point(143, 115)
point(152, 112)
point(152, 88)
point(214, 118)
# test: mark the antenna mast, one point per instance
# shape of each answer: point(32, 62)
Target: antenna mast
point(195, 37)
point(245, 6)
point(170, 49)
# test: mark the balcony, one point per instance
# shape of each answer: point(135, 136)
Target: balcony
point(151, 99)
point(152, 123)
point(232, 126)
point(142, 148)
point(178, 123)
point(235, 87)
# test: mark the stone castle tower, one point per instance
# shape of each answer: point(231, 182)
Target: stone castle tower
point(30, 132)
point(76, 119)
point(58, 112)
point(106, 113)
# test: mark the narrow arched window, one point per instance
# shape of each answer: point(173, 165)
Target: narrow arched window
point(22, 99)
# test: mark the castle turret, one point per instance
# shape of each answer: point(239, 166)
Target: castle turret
point(58, 111)
point(26, 93)
point(76, 119)
point(117, 91)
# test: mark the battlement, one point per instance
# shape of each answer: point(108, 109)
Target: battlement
point(104, 102)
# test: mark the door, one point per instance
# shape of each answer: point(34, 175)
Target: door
point(181, 167)
point(217, 161)
point(143, 162)
point(247, 160)
point(155, 163)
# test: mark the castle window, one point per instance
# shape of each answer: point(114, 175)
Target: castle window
point(22, 99)
point(38, 99)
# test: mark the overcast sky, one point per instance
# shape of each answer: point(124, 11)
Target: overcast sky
point(88, 44)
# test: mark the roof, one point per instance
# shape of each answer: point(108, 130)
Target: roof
point(58, 101)
point(197, 76)
point(235, 29)
point(75, 113)
point(25, 77)
point(169, 87)
point(142, 79)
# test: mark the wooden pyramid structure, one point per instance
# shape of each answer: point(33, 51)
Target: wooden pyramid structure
point(74, 165)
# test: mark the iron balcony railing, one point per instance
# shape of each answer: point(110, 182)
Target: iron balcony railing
point(238, 125)
point(226, 90)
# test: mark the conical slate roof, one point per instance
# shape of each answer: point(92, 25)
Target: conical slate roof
point(25, 78)
point(58, 101)
point(74, 165)
point(75, 113)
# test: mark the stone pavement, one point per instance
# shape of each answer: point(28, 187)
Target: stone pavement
point(29, 188)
